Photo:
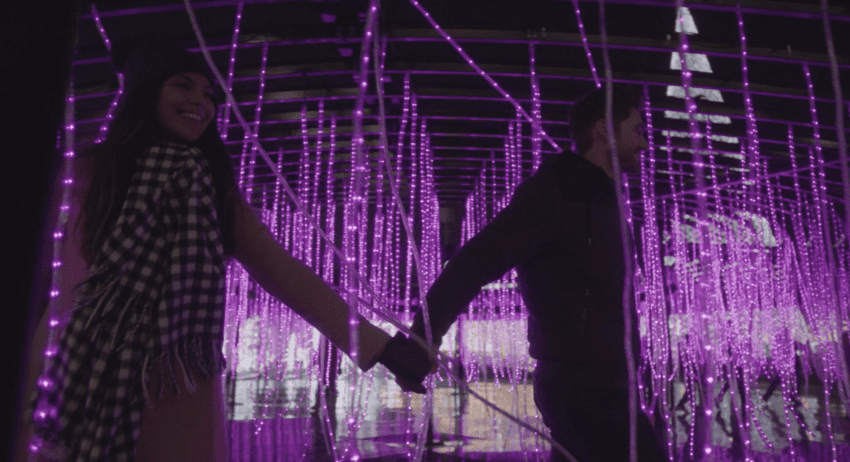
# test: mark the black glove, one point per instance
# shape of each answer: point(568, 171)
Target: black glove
point(408, 361)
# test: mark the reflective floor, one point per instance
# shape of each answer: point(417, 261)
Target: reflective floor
point(285, 420)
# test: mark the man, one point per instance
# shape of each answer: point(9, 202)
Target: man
point(561, 232)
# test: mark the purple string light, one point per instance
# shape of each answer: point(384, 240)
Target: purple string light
point(354, 212)
point(224, 119)
point(408, 259)
point(586, 45)
point(301, 229)
point(483, 74)
point(113, 105)
point(752, 129)
point(839, 125)
point(316, 211)
point(827, 293)
point(536, 139)
point(691, 107)
point(43, 410)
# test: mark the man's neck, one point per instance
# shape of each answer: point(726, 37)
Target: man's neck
point(601, 158)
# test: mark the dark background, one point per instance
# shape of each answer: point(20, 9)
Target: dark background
point(37, 42)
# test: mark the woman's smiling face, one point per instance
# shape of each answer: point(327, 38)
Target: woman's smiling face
point(185, 107)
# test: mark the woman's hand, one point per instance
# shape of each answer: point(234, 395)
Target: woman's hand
point(409, 362)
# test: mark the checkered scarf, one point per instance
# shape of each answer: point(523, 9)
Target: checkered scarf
point(153, 298)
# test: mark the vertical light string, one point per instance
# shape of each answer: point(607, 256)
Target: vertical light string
point(224, 119)
point(586, 46)
point(657, 349)
point(381, 250)
point(276, 226)
point(536, 139)
point(513, 174)
point(378, 274)
point(236, 276)
point(624, 237)
point(261, 301)
point(393, 182)
point(258, 115)
point(264, 318)
point(830, 323)
point(330, 203)
point(839, 125)
point(316, 210)
point(358, 173)
point(713, 354)
point(301, 229)
point(787, 373)
point(408, 256)
point(844, 367)
point(42, 411)
point(697, 161)
point(353, 236)
point(752, 134)
point(101, 134)
point(421, 248)
point(702, 306)
point(328, 274)
point(676, 313)
point(695, 367)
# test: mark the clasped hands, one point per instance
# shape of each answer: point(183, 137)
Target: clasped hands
point(409, 361)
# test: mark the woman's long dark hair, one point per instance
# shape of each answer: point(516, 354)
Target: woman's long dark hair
point(134, 129)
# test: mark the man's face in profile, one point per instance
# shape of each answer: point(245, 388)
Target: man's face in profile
point(631, 141)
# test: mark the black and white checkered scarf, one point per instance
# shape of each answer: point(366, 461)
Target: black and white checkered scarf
point(153, 299)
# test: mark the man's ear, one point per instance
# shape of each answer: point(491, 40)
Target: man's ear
point(600, 132)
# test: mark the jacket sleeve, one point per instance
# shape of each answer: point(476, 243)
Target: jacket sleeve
point(297, 285)
point(518, 232)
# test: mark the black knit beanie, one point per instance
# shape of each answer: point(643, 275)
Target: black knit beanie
point(150, 59)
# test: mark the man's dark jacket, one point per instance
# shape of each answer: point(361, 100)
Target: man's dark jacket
point(561, 231)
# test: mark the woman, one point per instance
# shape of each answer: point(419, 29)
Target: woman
point(137, 372)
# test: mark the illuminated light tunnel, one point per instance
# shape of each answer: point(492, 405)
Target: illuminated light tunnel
point(375, 113)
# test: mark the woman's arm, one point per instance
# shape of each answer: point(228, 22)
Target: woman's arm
point(297, 285)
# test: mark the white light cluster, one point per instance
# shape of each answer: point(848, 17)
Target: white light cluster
point(717, 119)
point(686, 21)
point(693, 61)
point(678, 134)
point(710, 94)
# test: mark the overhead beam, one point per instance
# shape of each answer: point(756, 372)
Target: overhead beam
point(614, 41)
point(761, 7)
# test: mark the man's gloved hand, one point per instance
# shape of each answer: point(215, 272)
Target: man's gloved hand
point(409, 362)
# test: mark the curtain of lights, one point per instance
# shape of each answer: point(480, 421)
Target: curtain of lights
point(743, 294)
